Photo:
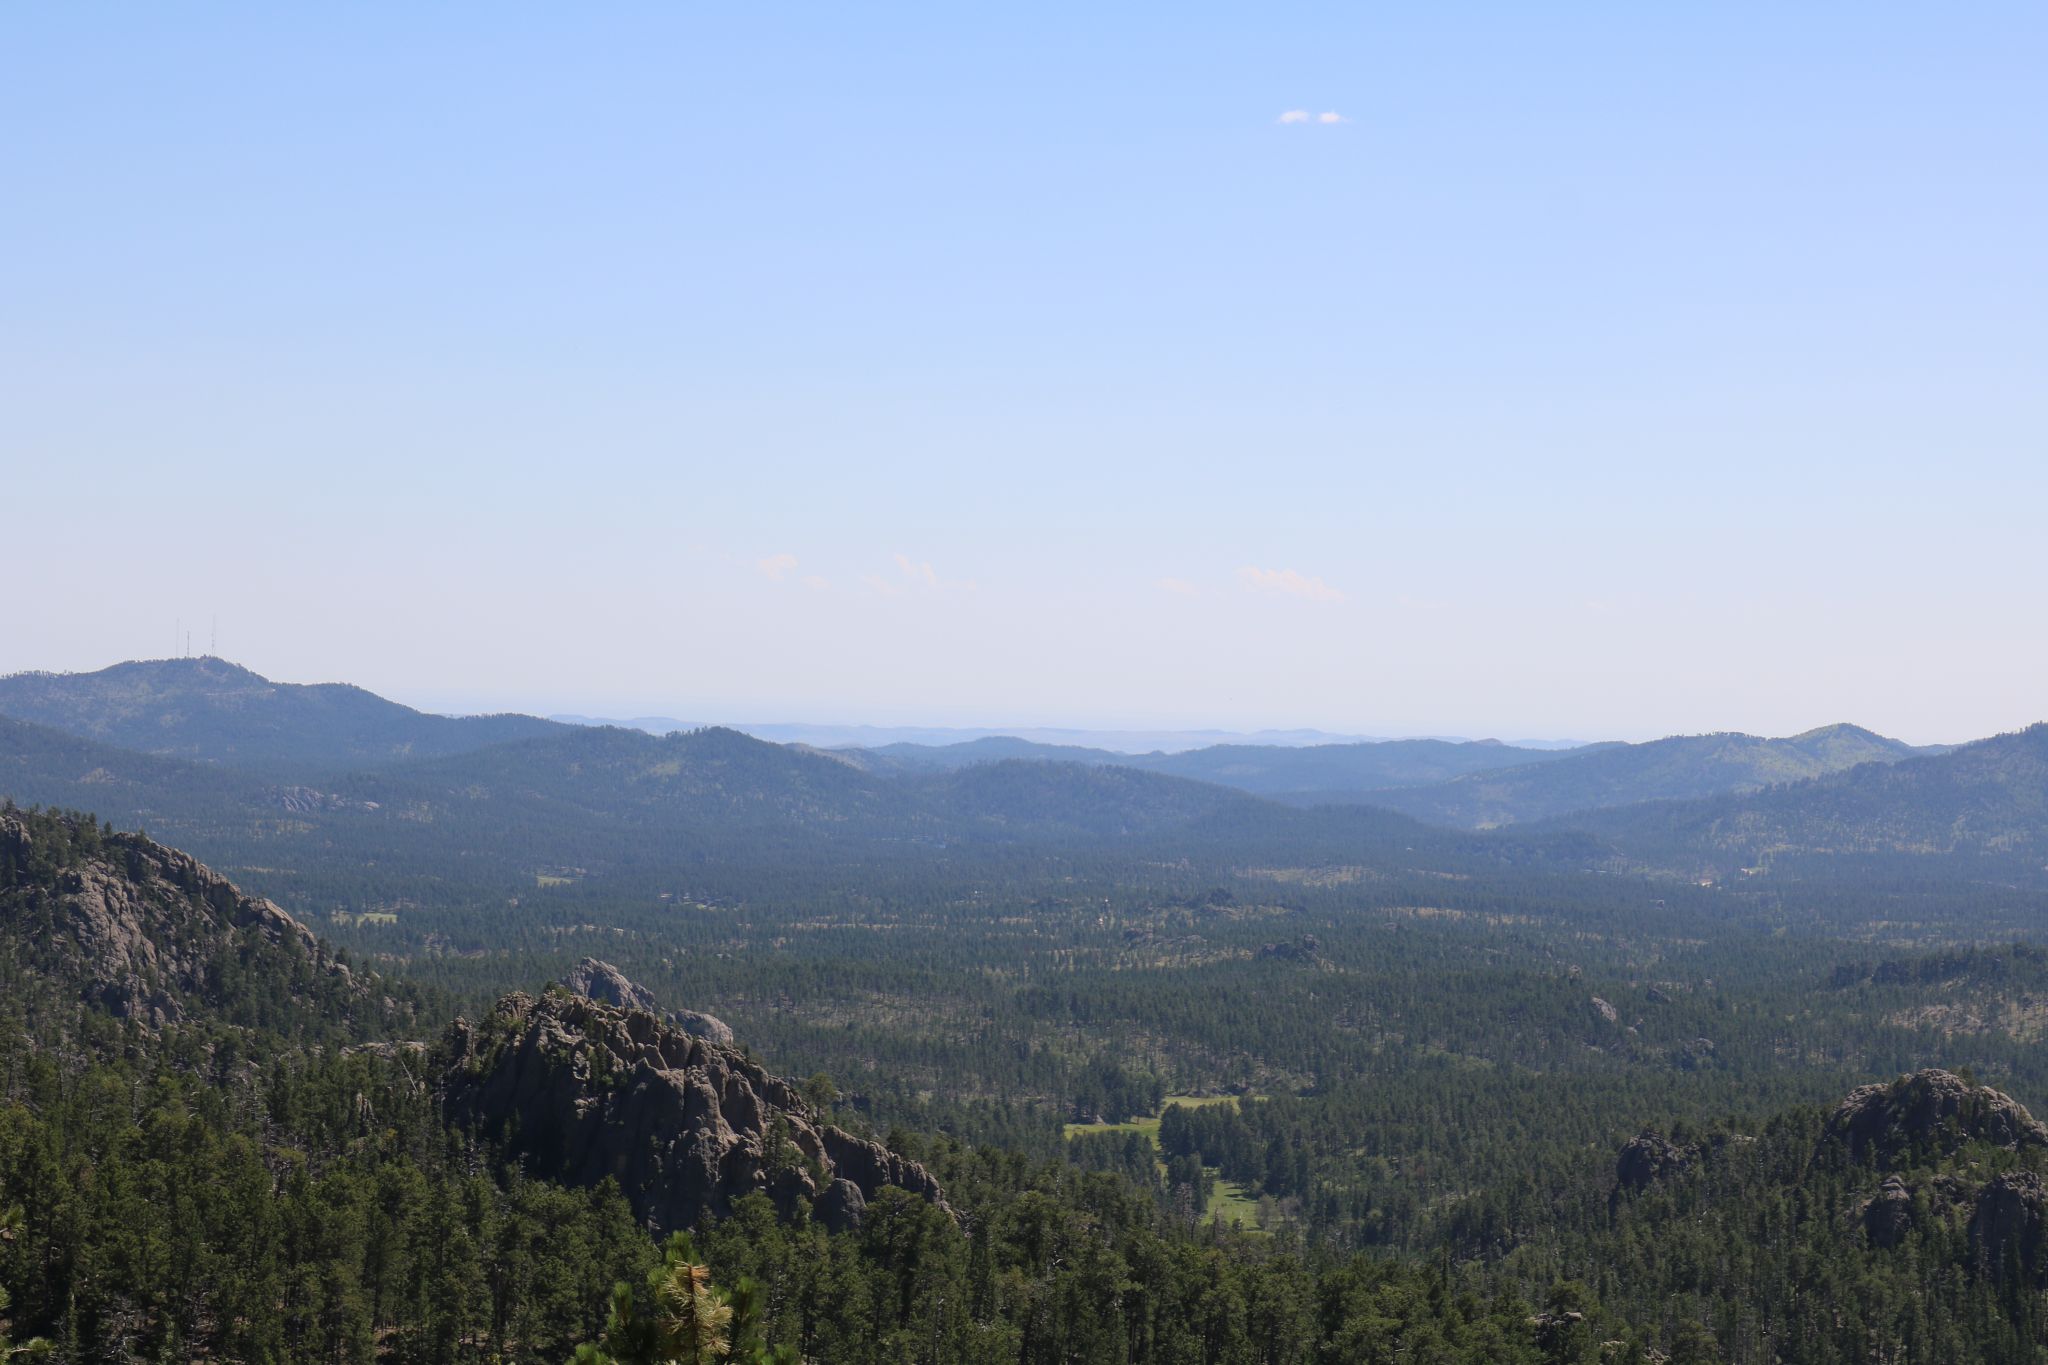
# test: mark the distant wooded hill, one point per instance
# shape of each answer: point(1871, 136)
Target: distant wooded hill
point(1990, 797)
point(332, 781)
point(1611, 775)
point(213, 711)
point(1300, 775)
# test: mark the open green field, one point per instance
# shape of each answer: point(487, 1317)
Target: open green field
point(1150, 1127)
point(1228, 1202)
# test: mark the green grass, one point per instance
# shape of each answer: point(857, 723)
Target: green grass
point(1150, 1127)
point(1228, 1202)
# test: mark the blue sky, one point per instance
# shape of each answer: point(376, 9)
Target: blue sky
point(1601, 370)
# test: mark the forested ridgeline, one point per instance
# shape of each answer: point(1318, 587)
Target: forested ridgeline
point(1120, 1066)
point(295, 1195)
point(330, 795)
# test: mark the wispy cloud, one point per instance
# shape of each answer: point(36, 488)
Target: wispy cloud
point(776, 567)
point(1179, 587)
point(913, 576)
point(1294, 116)
point(1331, 116)
point(920, 573)
point(1304, 117)
point(817, 583)
point(1289, 582)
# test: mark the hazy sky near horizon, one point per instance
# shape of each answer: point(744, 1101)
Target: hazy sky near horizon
point(1591, 369)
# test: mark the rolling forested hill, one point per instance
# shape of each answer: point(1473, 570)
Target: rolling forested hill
point(1300, 774)
point(214, 711)
point(614, 801)
point(1347, 772)
point(1337, 1084)
point(1471, 784)
point(1986, 798)
point(1626, 774)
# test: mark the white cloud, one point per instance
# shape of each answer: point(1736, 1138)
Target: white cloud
point(1294, 116)
point(1292, 583)
point(816, 583)
point(914, 575)
point(920, 573)
point(1331, 116)
point(1179, 587)
point(777, 567)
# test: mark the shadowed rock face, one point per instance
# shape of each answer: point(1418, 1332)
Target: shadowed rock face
point(1888, 1217)
point(1648, 1157)
point(603, 982)
point(581, 1090)
point(1929, 1113)
point(2007, 1225)
point(142, 929)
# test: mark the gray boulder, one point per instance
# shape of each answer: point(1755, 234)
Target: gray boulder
point(601, 981)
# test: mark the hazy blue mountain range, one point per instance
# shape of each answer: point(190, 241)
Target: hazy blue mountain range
point(214, 711)
point(1128, 742)
point(1299, 775)
point(1677, 768)
point(719, 808)
point(257, 774)
point(1990, 797)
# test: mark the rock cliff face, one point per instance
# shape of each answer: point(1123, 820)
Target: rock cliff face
point(1928, 1114)
point(580, 1090)
point(2007, 1224)
point(1888, 1217)
point(602, 982)
point(143, 931)
point(1648, 1157)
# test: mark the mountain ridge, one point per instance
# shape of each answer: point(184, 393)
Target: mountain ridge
point(211, 710)
point(1677, 767)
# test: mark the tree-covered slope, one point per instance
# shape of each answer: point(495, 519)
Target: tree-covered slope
point(148, 934)
point(1339, 772)
point(215, 711)
point(1986, 798)
point(1677, 768)
point(1301, 774)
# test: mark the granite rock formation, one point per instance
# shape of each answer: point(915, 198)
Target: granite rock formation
point(581, 1090)
point(1925, 1115)
point(2006, 1226)
point(601, 981)
point(144, 931)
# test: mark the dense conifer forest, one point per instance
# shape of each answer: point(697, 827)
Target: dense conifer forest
point(1201, 1077)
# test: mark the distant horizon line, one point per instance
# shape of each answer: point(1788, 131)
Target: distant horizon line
point(1103, 737)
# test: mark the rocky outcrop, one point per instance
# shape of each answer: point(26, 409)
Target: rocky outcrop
point(1927, 1115)
point(1888, 1217)
point(1307, 949)
point(581, 1090)
point(601, 981)
point(2007, 1224)
point(1649, 1157)
point(143, 931)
